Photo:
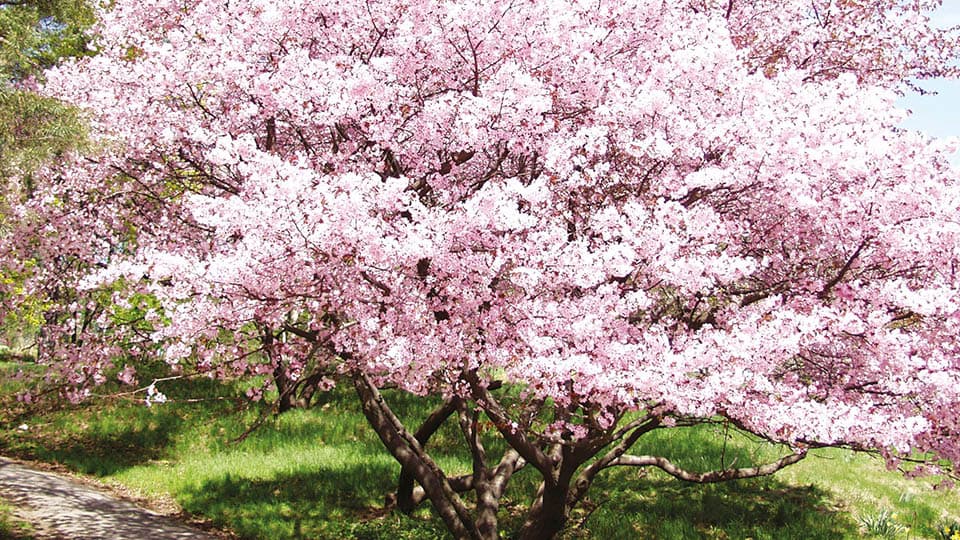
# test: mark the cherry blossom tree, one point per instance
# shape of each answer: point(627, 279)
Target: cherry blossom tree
point(572, 222)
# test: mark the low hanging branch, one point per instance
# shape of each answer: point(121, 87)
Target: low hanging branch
point(712, 476)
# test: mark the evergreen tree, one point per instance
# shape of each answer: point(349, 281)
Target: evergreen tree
point(34, 36)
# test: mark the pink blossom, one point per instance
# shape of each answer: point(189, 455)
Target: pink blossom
point(616, 207)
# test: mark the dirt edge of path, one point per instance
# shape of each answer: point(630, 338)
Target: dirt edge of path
point(164, 505)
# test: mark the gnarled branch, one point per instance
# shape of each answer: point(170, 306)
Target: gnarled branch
point(501, 420)
point(407, 497)
point(713, 476)
point(408, 451)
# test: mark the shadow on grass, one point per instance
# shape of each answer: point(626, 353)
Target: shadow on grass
point(342, 495)
point(664, 508)
point(104, 437)
point(103, 450)
point(347, 501)
point(329, 502)
point(632, 503)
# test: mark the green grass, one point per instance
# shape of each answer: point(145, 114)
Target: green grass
point(834, 493)
point(323, 473)
point(10, 527)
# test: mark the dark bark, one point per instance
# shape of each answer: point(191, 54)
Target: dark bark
point(512, 433)
point(494, 488)
point(547, 516)
point(285, 386)
point(408, 451)
point(567, 466)
point(625, 439)
point(307, 388)
point(488, 482)
point(406, 501)
point(285, 390)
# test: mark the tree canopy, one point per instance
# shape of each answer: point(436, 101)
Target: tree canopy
point(576, 222)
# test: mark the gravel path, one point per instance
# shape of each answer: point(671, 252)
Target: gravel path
point(61, 507)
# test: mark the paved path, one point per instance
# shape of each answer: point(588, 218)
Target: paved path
point(60, 507)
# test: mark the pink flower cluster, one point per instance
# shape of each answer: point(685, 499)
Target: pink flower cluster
point(697, 207)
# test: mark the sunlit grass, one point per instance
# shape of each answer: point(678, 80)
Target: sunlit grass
point(323, 473)
point(828, 495)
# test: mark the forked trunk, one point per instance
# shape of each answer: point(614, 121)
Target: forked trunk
point(408, 451)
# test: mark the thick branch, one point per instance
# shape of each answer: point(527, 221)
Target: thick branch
point(460, 484)
point(843, 271)
point(309, 335)
point(271, 139)
point(381, 286)
point(510, 463)
point(408, 451)
point(627, 438)
point(712, 476)
point(469, 425)
point(407, 498)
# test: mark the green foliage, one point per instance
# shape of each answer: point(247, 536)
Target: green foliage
point(949, 531)
point(33, 130)
point(882, 525)
point(36, 34)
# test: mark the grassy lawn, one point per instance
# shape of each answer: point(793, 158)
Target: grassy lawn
point(323, 473)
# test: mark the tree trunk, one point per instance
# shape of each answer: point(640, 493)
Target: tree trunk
point(280, 379)
point(405, 500)
point(410, 454)
point(308, 388)
point(285, 389)
point(547, 516)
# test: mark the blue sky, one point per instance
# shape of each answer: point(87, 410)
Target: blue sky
point(938, 115)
